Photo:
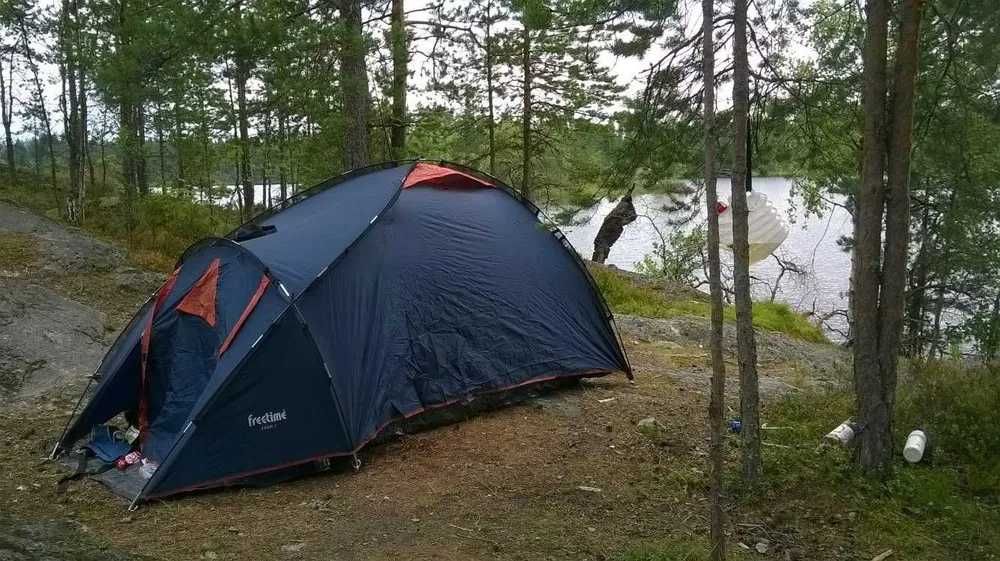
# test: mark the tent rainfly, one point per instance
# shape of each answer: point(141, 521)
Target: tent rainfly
point(376, 296)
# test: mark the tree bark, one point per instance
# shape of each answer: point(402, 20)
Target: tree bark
point(242, 76)
point(718, 393)
point(400, 62)
point(880, 286)
point(745, 341)
point(131, 133)
point(85, 132)
point(917, 291)
point(491, 125)
point(43, 113)
point(354, 83)
point(897, 220)
point(178, 141)
point(282, 155)
point(246, 175)
point(7, 112)
point(526, 93)
point(161, 147)
point(875, 443)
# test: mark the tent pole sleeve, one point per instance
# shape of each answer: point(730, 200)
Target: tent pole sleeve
point(326, 368)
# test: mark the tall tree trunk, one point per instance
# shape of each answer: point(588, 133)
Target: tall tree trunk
point(161, 148)
point(917, 291)
point(897, 218)
point(140, 136)
point(354, 83)
point(265, 160)
point(130, 131)
point(242, 65)
point(526, 92)
point(491, 125)
point(37, 153)
point(992, 339)
point(400, 62)
point(43, 113)
point(875, 442)
point(85, 132)
point(880, 288)
point(283, 155)
point(745, 341)
point(718, 393)
point(246, 173)
point(71, 74)
point(7, 111)
point(104, 160)
point(178, 140)
point(936, 349)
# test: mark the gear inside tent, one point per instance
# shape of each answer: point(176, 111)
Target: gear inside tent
point(379, 296)
point(767, 228)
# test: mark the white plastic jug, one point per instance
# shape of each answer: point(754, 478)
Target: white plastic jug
point(767, 229)
point(913, 451)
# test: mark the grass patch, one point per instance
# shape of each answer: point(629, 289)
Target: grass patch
point(626, 297)
point(946, 507)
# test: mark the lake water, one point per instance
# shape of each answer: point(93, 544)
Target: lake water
point(811, 242)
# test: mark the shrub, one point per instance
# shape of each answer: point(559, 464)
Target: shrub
point(626, 297)
point(957, 404)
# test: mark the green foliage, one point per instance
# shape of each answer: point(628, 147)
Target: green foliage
point(155, 228)
point(627, 297)
point(957, 406)
point(678, 259)
point(942, 508)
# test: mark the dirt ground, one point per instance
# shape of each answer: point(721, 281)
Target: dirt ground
point(565, 476)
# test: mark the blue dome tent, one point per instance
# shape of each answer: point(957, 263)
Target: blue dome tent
point(376, 296)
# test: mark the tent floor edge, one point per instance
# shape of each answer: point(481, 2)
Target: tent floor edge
point(434, 416)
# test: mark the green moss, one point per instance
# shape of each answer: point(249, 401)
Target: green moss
point(626, 297)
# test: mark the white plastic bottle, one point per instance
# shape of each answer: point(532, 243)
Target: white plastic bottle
point(913, 451)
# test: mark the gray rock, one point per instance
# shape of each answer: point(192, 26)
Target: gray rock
point(61, 249)
point(46, 340)
point(825, 363)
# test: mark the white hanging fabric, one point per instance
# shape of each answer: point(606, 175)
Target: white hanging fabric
point(767, 229)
